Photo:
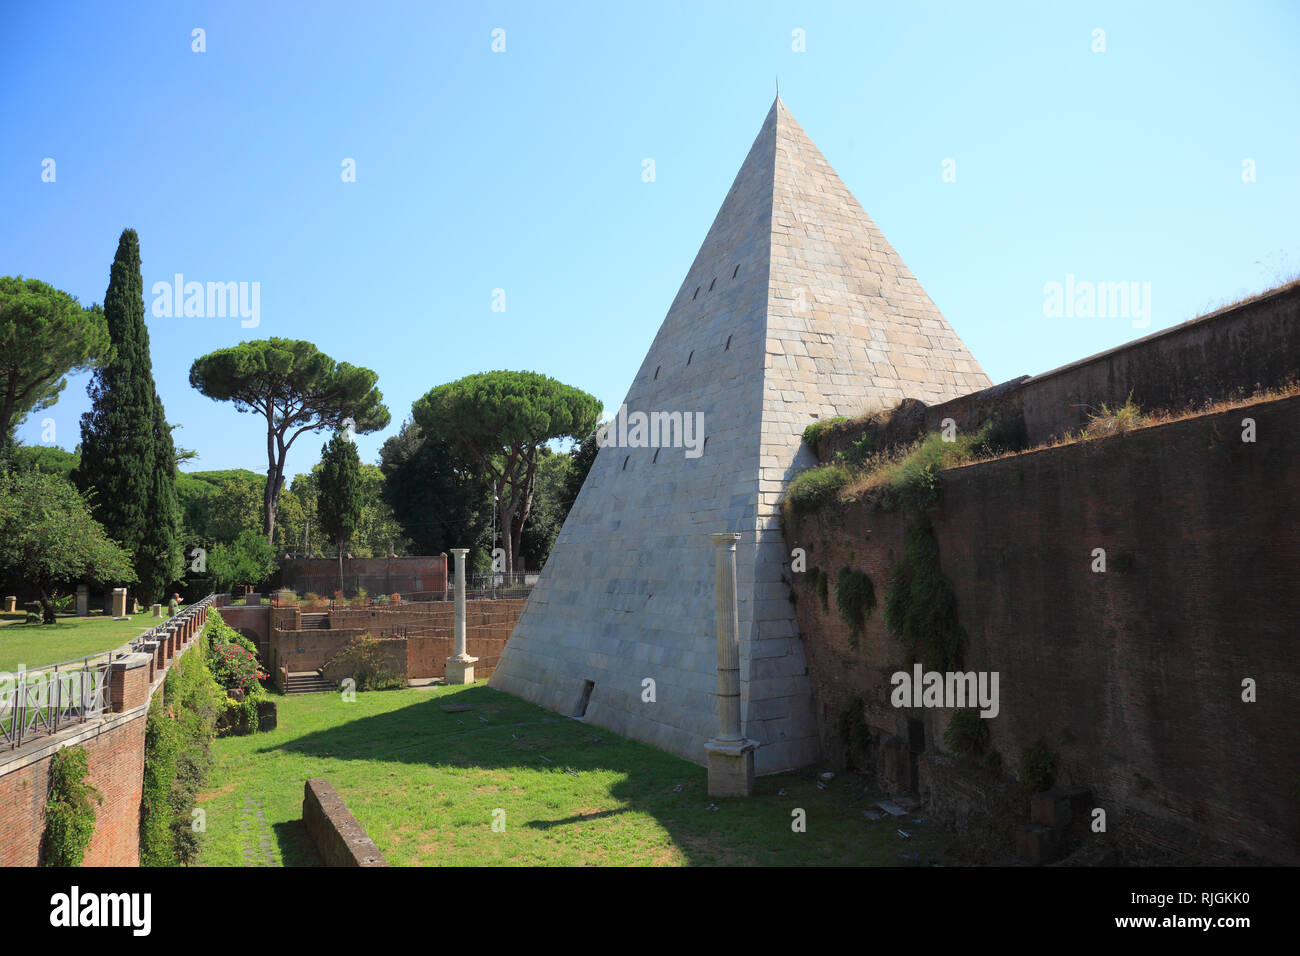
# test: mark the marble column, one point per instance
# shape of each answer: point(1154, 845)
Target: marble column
point(460, 666)
point(730, 753)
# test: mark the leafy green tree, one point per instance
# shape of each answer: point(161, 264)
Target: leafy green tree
point(44, 335)
point(296, 388)
point(46, 458)
point(548, 512)
point(246, 560)
point(127, 456)
point(582, 456)
point(436, 497)
point(500, 420)
point(339, 497)
point(49, 538)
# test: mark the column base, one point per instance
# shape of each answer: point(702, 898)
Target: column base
point(460, 670)
point(731, 767)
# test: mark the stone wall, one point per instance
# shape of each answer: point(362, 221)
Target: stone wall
point(1133, 678)
point(335, 833)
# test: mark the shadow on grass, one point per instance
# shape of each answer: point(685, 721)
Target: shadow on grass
point(501, 732)
point(295, 845)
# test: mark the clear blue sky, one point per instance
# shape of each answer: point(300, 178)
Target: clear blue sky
point(522, 170)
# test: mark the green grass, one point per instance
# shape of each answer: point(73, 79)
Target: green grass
point(34, 645)
point(424, 783)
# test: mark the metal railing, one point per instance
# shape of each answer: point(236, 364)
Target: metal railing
point(42, 701)
point(478, 587)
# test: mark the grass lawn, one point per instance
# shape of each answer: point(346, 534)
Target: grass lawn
point(35, 644)
point(425, 783)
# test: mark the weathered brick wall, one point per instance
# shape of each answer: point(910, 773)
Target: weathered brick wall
point(428, 626)
point(1217, 356)
point(116, 763)
point(339, 839)
point(1132, 677)
point(406, 575)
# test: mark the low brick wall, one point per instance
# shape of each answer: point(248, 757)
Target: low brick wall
point(335, 833)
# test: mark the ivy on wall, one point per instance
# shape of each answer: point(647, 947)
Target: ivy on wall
point(70, 813)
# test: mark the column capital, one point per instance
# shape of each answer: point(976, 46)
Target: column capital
point(460, 552)
point(725, 540)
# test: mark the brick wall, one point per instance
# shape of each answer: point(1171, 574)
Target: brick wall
point(1216, 356)
point(1132, 677)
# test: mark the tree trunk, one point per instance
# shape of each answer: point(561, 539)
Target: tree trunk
point(47, 606)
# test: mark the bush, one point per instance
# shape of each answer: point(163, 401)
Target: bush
point(852, 729)
point(855, 596)
point(920, 606)
point(178, 754)
point(69, 816)
point(967, 734)
point(363, 660)
point(233, 661)
point(816, 487)
point(1037, 767)
point(814, 432)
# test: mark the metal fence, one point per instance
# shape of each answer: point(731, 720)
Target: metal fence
point(478, 587)
point(41, 702)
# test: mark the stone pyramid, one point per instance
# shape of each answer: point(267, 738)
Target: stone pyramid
point(795, 309)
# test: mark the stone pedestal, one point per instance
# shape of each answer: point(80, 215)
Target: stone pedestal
point(11, 604)
point(731, 767)
point(119, 604)
point(83, 600)
point(156, 610)
point(460, 666)
point(252, 597)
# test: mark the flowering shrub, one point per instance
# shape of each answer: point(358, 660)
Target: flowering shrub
point(235, 667)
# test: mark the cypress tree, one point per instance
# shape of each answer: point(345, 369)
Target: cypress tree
point(124, 458)
point(339, 495)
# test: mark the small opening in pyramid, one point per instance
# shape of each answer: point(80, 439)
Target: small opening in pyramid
point(625, 462)
point(656, 457)
point(689, 357)
point(697, 292)
point(728, 346)
point(735, 270)
point(587, 687)
point(713, 283)
point(656, 371)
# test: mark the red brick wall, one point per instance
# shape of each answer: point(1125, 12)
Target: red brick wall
point(1133, 677)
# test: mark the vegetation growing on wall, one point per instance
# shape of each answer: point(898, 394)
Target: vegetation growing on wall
point(70, 813)
point(967, 735)
point(855, 596)
point(816, 430)
point(1037, 767)
point(815, 488)
point(853, 731)
point(920, 606)
point(177, 757)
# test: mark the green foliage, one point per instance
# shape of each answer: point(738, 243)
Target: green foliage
point(582, 456)
point(248, 560)
point(127, 455)
point(920, 607)
point(297, 389)
point(179, 731)
point(852, 729)
point(45, 458)
point(44, 335)
point(436, 496)
point(363, 660)
point(817, 429)
point(1037, 767)
point(548, 511)
point(339, 490)
point(855, 596)
point(69, 815)
point(967, 733)
point(232, 660)
point(1112, 421)
point(48, 537)
point(498, 421)
point(815, 488)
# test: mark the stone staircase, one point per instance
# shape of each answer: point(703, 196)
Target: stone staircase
point(314, 622)
point(307, 682)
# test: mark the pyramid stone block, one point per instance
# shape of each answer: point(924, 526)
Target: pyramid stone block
point(795, 309)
